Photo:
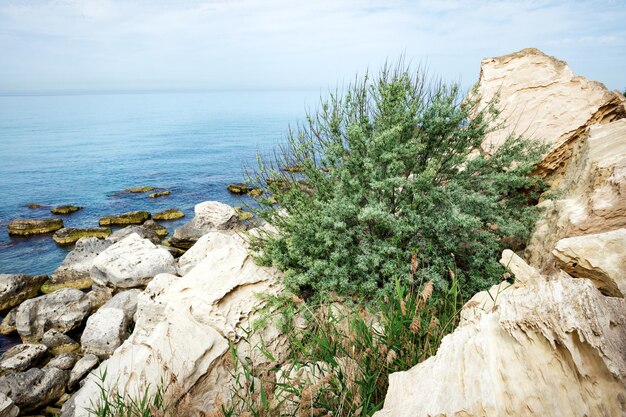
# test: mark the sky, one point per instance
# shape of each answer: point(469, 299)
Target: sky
point(160, 45)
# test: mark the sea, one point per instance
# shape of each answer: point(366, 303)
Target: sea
point(83, 149)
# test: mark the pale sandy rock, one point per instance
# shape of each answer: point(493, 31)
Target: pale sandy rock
point(142, 231)
point(183, 326)
point(590, 198)
point(131, 262)
point(21, 357)
point(125, 301)
point(205, 245)
point(81, 368)
point(99, 296)
point(65, 361)
point(34, 388)
point(209, 216)
point(541, 98)
point(8, 407)
point(104, 332)
point(551, 348)
point(15, 288)
point(600, 257)
point(63, 310)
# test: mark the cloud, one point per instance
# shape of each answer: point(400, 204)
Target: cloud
point(243, 44)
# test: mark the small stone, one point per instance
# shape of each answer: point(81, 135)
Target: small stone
point(34, 227)
point(82, 367)
point(160, 194)
point(69, 236)
point(142, 231)
point(65, 209)
point(170, 214)
point(156, 228)
point(21, 357)
point(7, 407)
point(59, 343)
point(65, 361)
point(16, 288)
point(132, 217)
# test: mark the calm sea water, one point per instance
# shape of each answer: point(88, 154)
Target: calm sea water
point(82, 149)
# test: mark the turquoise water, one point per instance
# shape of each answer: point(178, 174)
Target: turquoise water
point(82, 149)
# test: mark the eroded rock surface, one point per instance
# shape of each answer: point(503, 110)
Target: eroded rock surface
point(209, 216)
point(34, 388)
point(15, 288)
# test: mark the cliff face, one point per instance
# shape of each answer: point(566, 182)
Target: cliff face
point(554, 343)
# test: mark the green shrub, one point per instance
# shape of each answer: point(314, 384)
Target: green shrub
point(390, 169)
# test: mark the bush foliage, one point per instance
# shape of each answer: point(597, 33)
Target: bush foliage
point(390, 171)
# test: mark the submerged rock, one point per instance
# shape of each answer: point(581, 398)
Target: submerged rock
point(34, 227)
point(15, 288)
point(239, 188)
point(63, 310)
point(210, 215)
point(69, 236)
point(35, 387)
point(131, 262)
point(170, 214)
point(132, 217)
point(160, 194)
point(65, 209)
point(21, 357)
point(34, 206)
point(159, 230)
point(137, 190)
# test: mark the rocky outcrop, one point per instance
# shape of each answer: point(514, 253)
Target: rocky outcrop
point(132, 217)
point(62, 310)
point(550, 347)
point(183, 326)
point(75, 268)
point(599, 257)
point(130, 263)
point(15, 288)
point(65, 209)
point(169, 214)
point(69, 236)
point(202, 248)
point(34, 227)
point(34, 388)
point(209, 216)
point(541, 98)
point(590, 198)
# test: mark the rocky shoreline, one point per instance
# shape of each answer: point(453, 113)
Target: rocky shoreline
point(143, 309)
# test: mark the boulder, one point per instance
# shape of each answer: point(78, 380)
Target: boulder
point(15, 288)
point(125, 301)
point(82, 367)
point(8, 407)
point(133, 217)
point(69, 236)
point(590, 197)
point(59, 343)
point(131, 262)
point(65, 209)
point(64, 361)
point(8, 323)
point(202, 248)
point(104, 332)
point(34, 388)
point(160, 194)
point(600, 257)
point(534, 91)
point(209, 216)
point(142, 231)
point(63, 310)
point(182, 329)
point(21, 357)
point(169, 214)
point(551, 347)
point(34, 227)
point(159, 230)
point(75, 268)
point(99, 296)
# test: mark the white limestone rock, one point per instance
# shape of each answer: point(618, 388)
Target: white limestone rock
point(209, 216)
point(199, 251)
point(131, 262)
point(104, 332)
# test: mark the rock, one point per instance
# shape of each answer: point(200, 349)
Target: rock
point(551, 348)
point(209, 216)
point(8, 407)
point(243, 215)
point(131, 262)
point(63, 310)
point(8, 323)
point(240, 188)
point(160, 194)
point(104, 332)
point(170, 214)
point(534, 90)
point(65, 209)
point(142, 231)
point(291, 168)
point(59, 343)
point(34, 388)
point(82, 367)
point(125, 301)
point(600, 257)
point(175, 252)
point(182, 328)
point(21, 357)
point(206, 245)
point(15, 288)
point(34, 227)
point(590, 195)
point(64, 361)
point(159, 230)
point(69, 236)
point(34, 206)
point(99, 296)
point(137, 190)
point(132, 217)
point(75, 268)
